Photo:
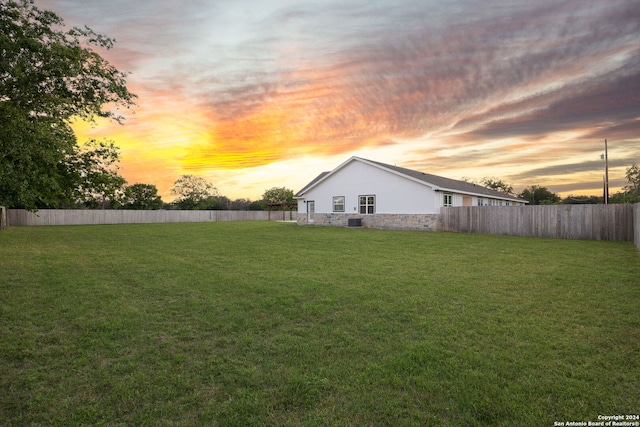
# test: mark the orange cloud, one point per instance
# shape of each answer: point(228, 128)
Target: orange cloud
point(310, 117)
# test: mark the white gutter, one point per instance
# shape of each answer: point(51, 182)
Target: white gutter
point(509, 197)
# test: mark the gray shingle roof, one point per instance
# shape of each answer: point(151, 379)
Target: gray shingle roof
point(313, 181)
point(448, 183)
point(438, 182)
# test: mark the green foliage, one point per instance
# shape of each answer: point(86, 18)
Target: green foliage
point(49, 76)
point(630, 191)
point(497, 184)
point(246, 205)
point(163, 325)
point(142, 196)
point(217, 202)
point(33, 154)
point(278, 195)
point(632, 187)
point(582, 200)
point(193, 192)
point(95, 178)
point(537, 195)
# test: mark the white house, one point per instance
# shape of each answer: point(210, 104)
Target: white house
point(373, 194)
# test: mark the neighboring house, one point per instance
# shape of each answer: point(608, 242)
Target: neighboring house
point(378, 195)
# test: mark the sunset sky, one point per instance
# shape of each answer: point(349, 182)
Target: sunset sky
point(252, 94)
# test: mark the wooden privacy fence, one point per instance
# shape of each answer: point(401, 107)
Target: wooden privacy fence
point(636, 224)
point(21, 217)
point(589, 222)
point(3, 217)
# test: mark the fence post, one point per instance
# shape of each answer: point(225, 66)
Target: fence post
point(3, 217)
point(636, 224)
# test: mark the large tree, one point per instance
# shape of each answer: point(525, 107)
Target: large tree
point(537, 195)
point(49, 76)
point(143, 196)
point(93, 177)
point(632, 187)
point(278, 195)
point(193, 192)
point(497, 184)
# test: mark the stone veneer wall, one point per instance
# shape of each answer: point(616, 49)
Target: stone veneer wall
point(427, 222)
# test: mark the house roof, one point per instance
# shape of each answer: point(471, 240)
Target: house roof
point(311, 184)
point(438, 183)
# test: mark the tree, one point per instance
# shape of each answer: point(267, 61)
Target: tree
point(192, 191)
point(142, 196)
point(49, 76)
point(245, 205)
point(537, 195)
point(632, 187)
point(582, 200)
point(92, 173)
point(220, 203)
point(217, 203)
point(497, 184)
point(278, 195)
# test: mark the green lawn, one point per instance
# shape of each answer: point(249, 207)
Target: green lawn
point(263, 323)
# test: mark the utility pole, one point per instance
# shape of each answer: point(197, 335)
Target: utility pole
point(606, 173)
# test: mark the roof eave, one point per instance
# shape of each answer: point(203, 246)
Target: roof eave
point(490, 196)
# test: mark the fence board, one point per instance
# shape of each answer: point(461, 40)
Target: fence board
point(20, 217)
point(3, 217)
point(588, 222)
point(636, 224)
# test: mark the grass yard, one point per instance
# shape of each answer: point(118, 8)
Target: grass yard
point(263, 323)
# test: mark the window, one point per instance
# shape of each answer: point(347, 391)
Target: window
point(482, 202)
point(367, 204)
point(448, 200)
point(338, 203)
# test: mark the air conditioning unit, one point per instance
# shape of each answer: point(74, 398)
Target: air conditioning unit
point(354, 222)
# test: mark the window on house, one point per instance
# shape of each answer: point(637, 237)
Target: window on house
point(338, 203)
point(367, 204)
point(448, 200)
point(482, 201)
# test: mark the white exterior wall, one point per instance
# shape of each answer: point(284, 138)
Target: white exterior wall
point(457, 199)
point(394, 194)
